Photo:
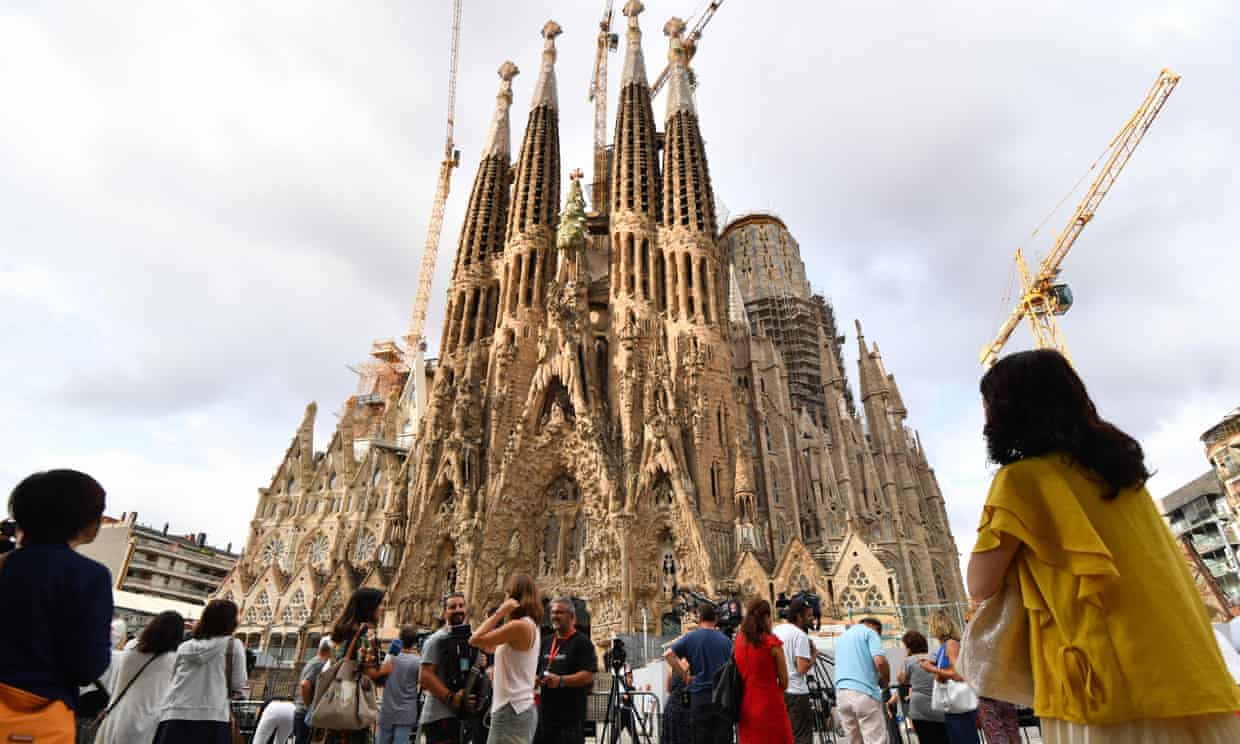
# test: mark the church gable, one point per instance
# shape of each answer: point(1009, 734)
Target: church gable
point(860, 581)
point(750, 577)
point(797, 571)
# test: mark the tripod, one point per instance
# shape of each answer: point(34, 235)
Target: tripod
point(822, 699)
point(619, 716)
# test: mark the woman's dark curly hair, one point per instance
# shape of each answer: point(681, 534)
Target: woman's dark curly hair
point(1036, 404)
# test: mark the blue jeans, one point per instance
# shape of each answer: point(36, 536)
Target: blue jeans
point(396, 735)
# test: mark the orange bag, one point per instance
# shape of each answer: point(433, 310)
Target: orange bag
point(26, 717)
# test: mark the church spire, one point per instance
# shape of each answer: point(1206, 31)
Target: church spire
point(482, 233)
point(634, 174)
point(536, 193)
point(872, 380)
point(688, 199)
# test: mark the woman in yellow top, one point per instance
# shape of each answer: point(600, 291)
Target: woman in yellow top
point(1120, 643)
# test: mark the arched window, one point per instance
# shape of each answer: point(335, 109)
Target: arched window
point(365, 547)
point(295, 611)
point(874, 598)
point(259, 613)
point(857, 578)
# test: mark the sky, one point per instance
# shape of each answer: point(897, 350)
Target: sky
point(209, 210)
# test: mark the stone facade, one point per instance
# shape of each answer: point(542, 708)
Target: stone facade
point(603, 415)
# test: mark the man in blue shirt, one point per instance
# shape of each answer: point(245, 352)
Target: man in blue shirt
point(696, 657)
point(861, 673)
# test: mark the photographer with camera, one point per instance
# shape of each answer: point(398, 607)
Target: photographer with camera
point(446, 662)
point(799, 654)
point(566, 673)
point(696, 657)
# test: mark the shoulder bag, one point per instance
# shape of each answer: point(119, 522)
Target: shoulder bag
point(728, 690)
point(994, 653)
point(952, 696)
point(344, 697)
point(234, 731)
point(93, 728)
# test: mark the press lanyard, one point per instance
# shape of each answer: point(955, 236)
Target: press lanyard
point(555, 646)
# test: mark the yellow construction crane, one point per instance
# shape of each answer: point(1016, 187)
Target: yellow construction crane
point(1042, 297)
point(691, 40)
point(415, 338)
point(607, 42)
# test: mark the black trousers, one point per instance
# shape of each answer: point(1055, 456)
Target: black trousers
point(559, 732)
point(443, 731)
point(708, 725)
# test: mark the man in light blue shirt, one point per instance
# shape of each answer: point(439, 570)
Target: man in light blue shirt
point(861, 673)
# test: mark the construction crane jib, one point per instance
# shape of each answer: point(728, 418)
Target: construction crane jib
point(415, 338)
point(691, 40)
point(607, 42)
point(1042, 297)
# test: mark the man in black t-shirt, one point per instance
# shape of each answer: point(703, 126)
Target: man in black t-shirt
point(566, 667)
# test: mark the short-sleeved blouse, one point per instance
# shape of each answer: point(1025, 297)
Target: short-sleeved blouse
point(1117, 629)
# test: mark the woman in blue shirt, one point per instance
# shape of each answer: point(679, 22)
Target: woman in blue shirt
point(57, 606)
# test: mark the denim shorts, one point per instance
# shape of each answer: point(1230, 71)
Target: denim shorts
point(510, 727)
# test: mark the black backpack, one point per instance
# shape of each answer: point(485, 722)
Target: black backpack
point(728, 690)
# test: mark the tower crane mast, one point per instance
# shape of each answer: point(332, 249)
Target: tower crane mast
point(691, 40)
point(415, 337)
point(1041, 297)
point(607, 42)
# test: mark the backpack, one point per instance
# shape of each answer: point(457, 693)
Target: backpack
point(728, 690)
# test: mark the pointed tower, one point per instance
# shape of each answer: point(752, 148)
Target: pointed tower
point(473, 295)
point(638, 270)
point(688, 199)
point(530, 246)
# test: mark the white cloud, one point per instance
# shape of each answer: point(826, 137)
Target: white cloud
point(207, 211)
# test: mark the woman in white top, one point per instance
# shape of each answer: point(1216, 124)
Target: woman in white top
point(141, 681)
point(198, 708)
point(513, 715)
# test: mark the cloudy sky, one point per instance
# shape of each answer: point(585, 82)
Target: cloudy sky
point(209, 210)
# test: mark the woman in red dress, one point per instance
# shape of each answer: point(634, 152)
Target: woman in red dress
point(759, 658)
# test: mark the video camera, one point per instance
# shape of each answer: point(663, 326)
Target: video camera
point(463, 672)
point(809, 598)
point(616, 657)
point(728, 612)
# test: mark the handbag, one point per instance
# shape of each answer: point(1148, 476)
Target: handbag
point(953, 697)
point(728, 690)
point(994, 652)
point(344, 697)
point(234, 731)
point(91, 730)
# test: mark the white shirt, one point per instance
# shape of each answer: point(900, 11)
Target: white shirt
point(513, 680)
point(277, 721)
point(796, 645)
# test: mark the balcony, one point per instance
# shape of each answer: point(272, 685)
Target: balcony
point(201, 556)
point(1207, 544)
point(1219, 567)
point(213, 582)
point(146, 586)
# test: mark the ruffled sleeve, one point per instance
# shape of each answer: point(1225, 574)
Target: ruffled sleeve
point(1032, 502)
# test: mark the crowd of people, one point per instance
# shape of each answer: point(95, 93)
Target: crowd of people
point(1068, 530)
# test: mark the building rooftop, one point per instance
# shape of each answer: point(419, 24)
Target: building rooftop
point(1203, 485)
point(1230, 424)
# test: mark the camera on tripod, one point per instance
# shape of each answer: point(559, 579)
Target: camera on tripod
point(813, 601)
point(616, 657)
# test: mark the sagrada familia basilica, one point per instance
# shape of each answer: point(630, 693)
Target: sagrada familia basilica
point(628, 401)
